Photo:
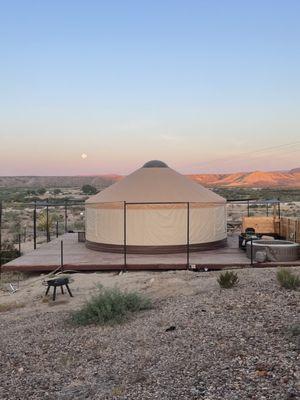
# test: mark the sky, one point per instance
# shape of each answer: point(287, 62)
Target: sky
point(206, 85)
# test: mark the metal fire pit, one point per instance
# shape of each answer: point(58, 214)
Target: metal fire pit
point(58, 282)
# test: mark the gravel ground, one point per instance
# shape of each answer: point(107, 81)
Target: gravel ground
point(228, 344)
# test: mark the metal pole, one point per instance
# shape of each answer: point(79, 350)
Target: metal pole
point(19, 240)
point(34, 226)
point(61, 253)
point(47, 221)
point(267, 209)
point(66, 217)
point(0, 237)
point(279, 217)
point(57, 229)
point(251, 241)
point(188, 236)
point(125, 239)
point(248, 208)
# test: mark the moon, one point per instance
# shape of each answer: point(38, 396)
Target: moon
point(83, 156)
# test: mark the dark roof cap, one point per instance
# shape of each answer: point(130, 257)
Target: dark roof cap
point(155, 164)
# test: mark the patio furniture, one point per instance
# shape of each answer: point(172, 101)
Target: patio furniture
point(249, 235)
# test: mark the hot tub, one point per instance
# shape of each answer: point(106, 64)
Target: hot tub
point(276, 250)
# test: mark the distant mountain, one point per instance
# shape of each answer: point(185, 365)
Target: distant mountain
point(99, 181)
point(255, 179)
point(295, 171)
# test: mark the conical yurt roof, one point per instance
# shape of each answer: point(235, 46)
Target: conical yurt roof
point(156, 182)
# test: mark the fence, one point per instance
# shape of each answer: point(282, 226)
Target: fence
point(20, 224)
point(289, 228)
point(261, 224)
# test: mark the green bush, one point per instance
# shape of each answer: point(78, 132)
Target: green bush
point(287, 279)
point(227, 279)
point(89, 189)
point(295, 330)
point(110, 306)
point(41, 191)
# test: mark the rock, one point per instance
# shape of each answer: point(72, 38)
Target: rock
point(171, 328)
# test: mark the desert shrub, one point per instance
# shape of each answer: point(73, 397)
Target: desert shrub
point(227, 279)
point(110, 306)
point(287, 279)
point(41, 191)
point(8, 252)
point(43, 222)
point(89, 189)
point(295, 330)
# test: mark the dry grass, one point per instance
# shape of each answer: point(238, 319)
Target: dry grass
point(10, 306)
point(12, 277)
point(288, 279)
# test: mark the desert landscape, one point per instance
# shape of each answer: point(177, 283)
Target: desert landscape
point(18, 195)
point(149, 200)
point(211, 342)
point(252, 179)
point(240, 343)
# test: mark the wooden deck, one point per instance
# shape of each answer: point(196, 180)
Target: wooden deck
point(78, 257)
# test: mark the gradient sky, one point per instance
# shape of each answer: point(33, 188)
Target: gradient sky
point(205, 85)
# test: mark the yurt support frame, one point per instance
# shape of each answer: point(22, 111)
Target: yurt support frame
point(159, 202)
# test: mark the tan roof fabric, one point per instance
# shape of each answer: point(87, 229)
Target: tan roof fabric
point(156, 185)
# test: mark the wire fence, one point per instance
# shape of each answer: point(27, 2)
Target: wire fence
point(26, 226)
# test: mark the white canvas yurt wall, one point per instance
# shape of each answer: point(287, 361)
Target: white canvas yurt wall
point(163, 211)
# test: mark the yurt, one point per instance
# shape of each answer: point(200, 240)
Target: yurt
point(155, 210)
